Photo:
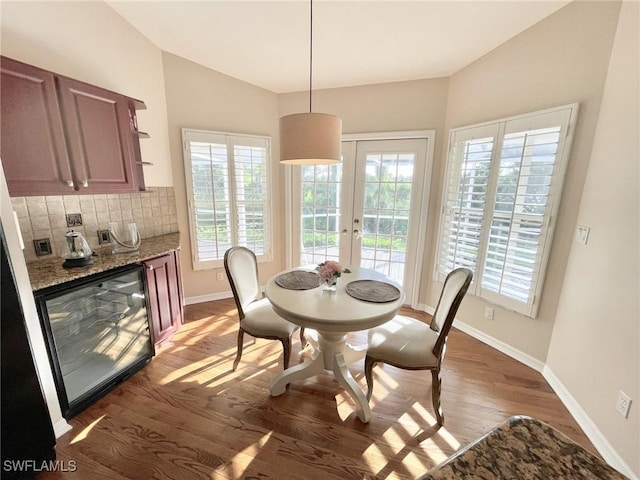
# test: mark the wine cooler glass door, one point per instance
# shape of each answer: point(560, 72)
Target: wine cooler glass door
point(99, 330)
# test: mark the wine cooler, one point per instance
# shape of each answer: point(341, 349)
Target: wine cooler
point(97, 332)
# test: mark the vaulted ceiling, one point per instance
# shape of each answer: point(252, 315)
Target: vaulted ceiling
point(266, 43)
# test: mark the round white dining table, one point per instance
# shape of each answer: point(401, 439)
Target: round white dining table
point(333, 315)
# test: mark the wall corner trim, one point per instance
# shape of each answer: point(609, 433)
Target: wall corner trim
point(61, 427)
point(590, 429)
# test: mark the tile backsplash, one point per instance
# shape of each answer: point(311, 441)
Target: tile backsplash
point(153, 211)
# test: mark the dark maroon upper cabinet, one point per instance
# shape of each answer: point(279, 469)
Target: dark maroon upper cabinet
point(32, 141)
point(99, 137)
point(62, 136)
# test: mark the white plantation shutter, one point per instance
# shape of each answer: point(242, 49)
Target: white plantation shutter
point(470, 154)
point(227, 180)
point(501, 197)
point(251, 193)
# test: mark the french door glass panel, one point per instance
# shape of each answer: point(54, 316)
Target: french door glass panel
point(321, 195)
point(388, 182)
point(365, 210)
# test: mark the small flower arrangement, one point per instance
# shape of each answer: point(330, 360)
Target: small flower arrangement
point(330, 271)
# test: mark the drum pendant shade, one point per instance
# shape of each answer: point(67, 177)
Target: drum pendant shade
point(310, 139)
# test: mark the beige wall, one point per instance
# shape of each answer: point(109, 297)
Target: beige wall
point(201, 98)
point(90, 42)
point(595, 347)
point(561, 60)
point(389, 107)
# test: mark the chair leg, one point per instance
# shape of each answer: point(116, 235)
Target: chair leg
point(240, 343)
point(369, 363)
point(303, 339)
point(435, 393)
point(286, 346)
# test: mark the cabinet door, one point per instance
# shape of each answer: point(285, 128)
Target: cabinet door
point(164, 297)
point(32, 143)
point(99, 137)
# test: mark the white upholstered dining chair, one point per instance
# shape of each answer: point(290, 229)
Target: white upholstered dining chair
point(410, 344)
point(255, 313)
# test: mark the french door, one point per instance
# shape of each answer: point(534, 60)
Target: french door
point(369, 210)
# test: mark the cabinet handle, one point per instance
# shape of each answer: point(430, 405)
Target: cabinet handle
point(70, 183)
point(85, 183)
point(149, 267)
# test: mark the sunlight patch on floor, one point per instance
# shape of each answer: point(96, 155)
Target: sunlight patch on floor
point(394, 440)
point(450, 439)
point(345, 405)
point(433, 451)
point(372, 456)
point(416, 465)
point(194, 339)
point(442, 432)
point(85, 432)
point(383, 383)
point(193, 371)
point(393, 444)
point(431, 446)
point(238, 464)
point(417, 414)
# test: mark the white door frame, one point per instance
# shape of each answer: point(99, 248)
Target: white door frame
point(429, 135)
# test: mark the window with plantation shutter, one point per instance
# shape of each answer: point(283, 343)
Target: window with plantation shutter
point(501, 196)
point(227, 180)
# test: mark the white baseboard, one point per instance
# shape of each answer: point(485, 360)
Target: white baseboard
point(61, 427)
point(207, 298)
point(590, 429)
point(499, 345)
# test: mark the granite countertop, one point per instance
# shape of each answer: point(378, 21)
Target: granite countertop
point(523, 448)
point(47, 273)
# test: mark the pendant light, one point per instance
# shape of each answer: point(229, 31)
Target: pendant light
point(310, 138)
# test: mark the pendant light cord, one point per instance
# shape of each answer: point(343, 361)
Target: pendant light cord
point(310, 55)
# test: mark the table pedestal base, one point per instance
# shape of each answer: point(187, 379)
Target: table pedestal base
point(332, 354)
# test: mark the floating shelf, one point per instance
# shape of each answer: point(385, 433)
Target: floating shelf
point(141, 134)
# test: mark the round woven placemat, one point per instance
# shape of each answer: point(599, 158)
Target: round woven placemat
point(372, 291)
point(298, 280)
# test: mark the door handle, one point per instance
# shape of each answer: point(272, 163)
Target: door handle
point(345, 231)
point(356, 233)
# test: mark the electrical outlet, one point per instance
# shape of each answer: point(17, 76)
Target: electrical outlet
point(104, 237)
point(582, 234)
point(488, 313)
point(74, 219)
point(623, 404)
point(219, 276)
point(42, 246)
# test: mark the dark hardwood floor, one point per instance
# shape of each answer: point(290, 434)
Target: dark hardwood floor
point(187, 415)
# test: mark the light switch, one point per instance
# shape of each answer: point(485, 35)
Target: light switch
point(582, 234)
